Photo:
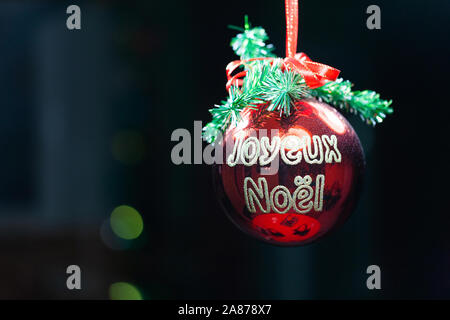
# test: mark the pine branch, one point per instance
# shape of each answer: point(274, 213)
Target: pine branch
point(227, 113)
point(366, 103)
point(249, 96)
point(251, 43)
point(266, 82)
point(282, 89)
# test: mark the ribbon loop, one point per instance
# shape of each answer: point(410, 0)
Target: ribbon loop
point(315, 74)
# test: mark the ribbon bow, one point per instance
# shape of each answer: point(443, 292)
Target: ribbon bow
point(315, 74)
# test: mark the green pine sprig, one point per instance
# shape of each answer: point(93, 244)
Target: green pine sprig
point(265, 83)
point(228, 112)
point(251, 42)
point(367, 103)
point(268, 83)
point(282, 89)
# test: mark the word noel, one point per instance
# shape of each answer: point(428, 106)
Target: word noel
point(303, 200)
point(291, 148)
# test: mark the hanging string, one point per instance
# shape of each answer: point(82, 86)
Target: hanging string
point(291, 27)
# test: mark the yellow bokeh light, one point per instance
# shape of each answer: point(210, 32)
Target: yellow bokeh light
point(124, 291)
point(126, 222)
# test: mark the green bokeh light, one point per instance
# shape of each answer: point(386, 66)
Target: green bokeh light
point(126, 222)
point(124, 291)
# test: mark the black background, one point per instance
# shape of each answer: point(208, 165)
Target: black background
point(151, 67)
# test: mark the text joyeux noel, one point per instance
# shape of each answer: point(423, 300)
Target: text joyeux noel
point(292, 149)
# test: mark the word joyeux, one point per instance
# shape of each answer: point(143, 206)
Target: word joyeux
point(292, 149)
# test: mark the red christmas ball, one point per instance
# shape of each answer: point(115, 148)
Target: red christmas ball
point(289, 180)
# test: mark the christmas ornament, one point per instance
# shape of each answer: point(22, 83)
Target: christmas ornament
point(292, 164)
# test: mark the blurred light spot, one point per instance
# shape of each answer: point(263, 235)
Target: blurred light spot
point(128, 147)
point(124, 291)
point(126, 222)
point(294, 138)
point(111, 240)
point(331, 117)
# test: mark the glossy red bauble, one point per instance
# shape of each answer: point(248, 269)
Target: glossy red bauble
point(290, 180)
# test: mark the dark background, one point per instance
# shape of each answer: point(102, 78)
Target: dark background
point(85, 126)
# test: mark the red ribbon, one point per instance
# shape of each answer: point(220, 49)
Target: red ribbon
point(315, 74)
point(291, 27)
